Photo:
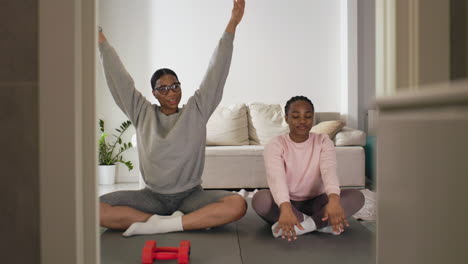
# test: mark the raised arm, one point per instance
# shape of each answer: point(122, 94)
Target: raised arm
point(236, 16)
point(211, 89)
point(121, 84)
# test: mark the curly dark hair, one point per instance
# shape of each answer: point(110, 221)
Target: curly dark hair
point(159, 73)
point(297, 98)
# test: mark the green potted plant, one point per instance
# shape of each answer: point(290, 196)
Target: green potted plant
point(111, 153)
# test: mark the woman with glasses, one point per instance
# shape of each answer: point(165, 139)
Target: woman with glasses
point(304, 193)
point(171, 147)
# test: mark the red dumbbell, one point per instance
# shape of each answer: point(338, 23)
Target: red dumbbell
point(151, 252)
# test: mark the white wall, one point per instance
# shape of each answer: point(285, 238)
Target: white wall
point(126, 25)
point(281, 50)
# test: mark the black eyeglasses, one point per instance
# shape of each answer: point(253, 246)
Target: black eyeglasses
point(175, 87)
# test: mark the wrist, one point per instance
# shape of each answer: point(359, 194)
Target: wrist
point(232, 25)
point(231, 28)
point(285, 206)
point(333, 197)
point(233, 22)
point(101, 38)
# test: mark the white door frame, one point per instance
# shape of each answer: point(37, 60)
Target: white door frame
point(385, 50)
point(412, 47)
point(349, 62)
point(67, 125)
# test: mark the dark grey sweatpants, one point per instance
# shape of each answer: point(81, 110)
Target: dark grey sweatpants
point(150, 202)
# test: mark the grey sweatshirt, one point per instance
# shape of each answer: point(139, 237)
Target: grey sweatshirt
point(171, 148)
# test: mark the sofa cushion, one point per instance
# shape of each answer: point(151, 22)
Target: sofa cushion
point(328, 127)
point(266, 121)
point(248, 150)
point(228, 126)
point(350, 137)
point(326, 116)
point(243, 167)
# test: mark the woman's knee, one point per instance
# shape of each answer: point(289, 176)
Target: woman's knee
point(237, 205)
point(104, 213)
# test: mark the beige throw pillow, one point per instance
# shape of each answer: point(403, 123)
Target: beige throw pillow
point(228, 126)
point(266, 121)
point(350, 137)
point(328, 127)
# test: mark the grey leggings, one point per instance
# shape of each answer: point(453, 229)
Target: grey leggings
point(264, 205)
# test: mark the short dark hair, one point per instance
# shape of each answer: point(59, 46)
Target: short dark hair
point(297, 98)
point(159, 73)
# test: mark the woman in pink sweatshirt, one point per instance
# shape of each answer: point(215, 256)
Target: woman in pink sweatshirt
point(304, 193)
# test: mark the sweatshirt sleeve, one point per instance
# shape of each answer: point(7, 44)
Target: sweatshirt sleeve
point(210, 93)
point(121, 84)
point(275, 171)
point(328, 166)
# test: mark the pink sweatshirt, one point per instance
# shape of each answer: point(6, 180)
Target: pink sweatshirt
point(301, 171)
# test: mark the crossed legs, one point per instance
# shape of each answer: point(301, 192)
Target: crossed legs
point(264, 205)
point(202, 209)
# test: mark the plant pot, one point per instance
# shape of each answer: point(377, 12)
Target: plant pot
point(106, 174)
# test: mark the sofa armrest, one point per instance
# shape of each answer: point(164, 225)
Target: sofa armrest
point(350, 137)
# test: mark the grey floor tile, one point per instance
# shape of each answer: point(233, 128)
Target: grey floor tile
point(215, 246)
point(355, 245)
point(370, 225)
point(249, 241)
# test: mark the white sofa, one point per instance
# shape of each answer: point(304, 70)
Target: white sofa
point(235, 140)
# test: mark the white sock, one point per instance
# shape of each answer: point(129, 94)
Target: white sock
point(329, 230)
point(308, 224)
point(156, 224)
point(242, 193)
